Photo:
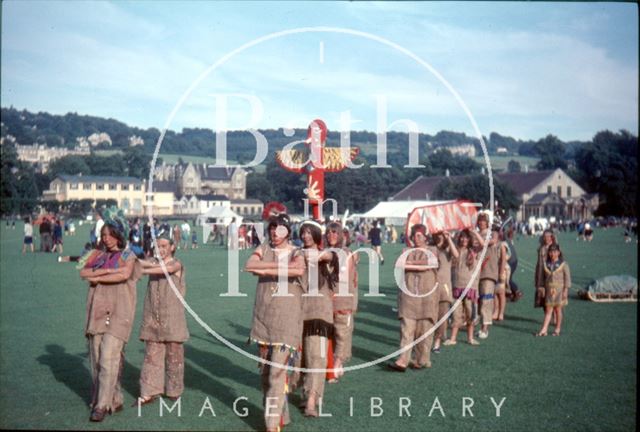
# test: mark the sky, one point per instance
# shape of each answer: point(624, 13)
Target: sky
point(521, 69)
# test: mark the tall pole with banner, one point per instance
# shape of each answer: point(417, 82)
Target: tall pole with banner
point(317, 160)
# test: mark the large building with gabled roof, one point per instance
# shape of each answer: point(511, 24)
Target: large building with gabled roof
point(549, 193)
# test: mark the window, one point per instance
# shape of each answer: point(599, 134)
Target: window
point(113, 186)
point(73, 186)
point(86, 186)
point(569, 191)
point(559, 190)
point(549, 189)
point(100, 186)
point(137, 187)
point(137, 204)
point(125, 203)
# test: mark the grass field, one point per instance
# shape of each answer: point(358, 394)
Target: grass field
point(584, 380)
point(500, 163)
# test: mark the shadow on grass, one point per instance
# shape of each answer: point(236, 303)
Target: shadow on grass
point(520, 329)
point(508, 317)
point(218, 367)
point(368, 321)
point(68, 369)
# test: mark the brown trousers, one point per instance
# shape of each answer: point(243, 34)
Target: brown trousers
point(410, 330)
point(343, 334)
point(162, 369)
point(315, 357)
point(274, 387)
point(487, 292)
point(106, 354)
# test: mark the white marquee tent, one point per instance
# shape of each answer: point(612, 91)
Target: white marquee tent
point(395, 212)
point(217, 215)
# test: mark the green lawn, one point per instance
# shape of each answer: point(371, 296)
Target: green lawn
point(500, 162)
point(583, 380)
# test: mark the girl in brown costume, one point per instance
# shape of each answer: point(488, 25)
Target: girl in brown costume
point(556, 282)
point(111, 305)
point(317, 308)
point(547, 239)
point(164, 327)
point(447, 251)
point(277, 318)
point(344, 307)
point(417, 312)
point(464, 266)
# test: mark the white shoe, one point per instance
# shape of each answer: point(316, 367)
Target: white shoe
point(483, 335)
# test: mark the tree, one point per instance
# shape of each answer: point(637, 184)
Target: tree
point(137, 161)
point(514, 166)
point(551, 151)
point(608, 165)
point(18, 189)
point(476, 189)
point(70, 165)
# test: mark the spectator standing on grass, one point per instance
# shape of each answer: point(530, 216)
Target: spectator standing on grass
point(28, 236)
point(185, 234)
point(45, 234)
point(98, 229)
point(57, 237)
point(177, 236)
point(375, 238)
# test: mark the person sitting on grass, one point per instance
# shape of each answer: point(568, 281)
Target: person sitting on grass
point(557, 281)
point(164, 327)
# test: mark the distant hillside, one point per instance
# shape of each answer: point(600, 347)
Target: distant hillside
point(64, 130)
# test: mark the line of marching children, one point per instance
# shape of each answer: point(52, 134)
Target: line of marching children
point(311, 324)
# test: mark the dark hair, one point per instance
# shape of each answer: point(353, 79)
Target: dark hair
point(416, 229)
point(553, 236)
point(435, 239)
point(337, 228)
point(471, 255)
point(315, 232)
point(463, 233)
point(554, 247)
point(281, 219)
point(122, 242)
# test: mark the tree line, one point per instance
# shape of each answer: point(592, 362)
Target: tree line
point(606, 165)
